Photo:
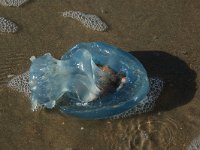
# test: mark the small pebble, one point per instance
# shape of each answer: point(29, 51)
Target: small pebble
point(10, 75)
point(184, 52)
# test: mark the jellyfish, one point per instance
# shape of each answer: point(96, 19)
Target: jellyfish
point(92, 81)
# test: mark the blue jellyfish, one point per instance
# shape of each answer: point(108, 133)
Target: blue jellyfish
point(75, 83)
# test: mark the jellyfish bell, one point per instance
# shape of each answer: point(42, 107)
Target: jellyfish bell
point(135, 84)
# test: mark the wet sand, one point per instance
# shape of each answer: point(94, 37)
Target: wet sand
point(164, 35)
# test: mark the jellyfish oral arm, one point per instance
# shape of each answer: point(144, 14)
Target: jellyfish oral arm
point(51, 78)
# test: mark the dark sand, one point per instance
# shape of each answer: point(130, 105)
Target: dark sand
point(164, 35)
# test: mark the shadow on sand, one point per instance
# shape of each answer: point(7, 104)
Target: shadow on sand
point(179, 79)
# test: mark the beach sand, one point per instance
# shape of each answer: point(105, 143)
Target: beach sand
point(163, 35)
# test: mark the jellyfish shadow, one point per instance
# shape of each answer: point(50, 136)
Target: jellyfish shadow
point(179, 78)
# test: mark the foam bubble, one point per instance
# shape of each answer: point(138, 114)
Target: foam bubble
point(16, 3)
point(20, 83)
point(7, 25)
point(88, 20)
point(195, 144)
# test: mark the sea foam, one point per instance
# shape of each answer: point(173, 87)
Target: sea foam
point(7, 25)
point(15, 3)
point(88, 20)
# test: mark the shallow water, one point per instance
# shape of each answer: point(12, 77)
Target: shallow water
point(163, 35)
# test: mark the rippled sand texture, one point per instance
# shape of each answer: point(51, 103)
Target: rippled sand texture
point(164, 35)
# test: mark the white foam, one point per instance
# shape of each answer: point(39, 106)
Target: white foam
point(15, 3)
point(195, 144)
point(7, 26)
point(88, 20)
point(20, 83)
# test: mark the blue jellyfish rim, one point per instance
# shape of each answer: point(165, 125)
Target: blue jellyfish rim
point(134, 90)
